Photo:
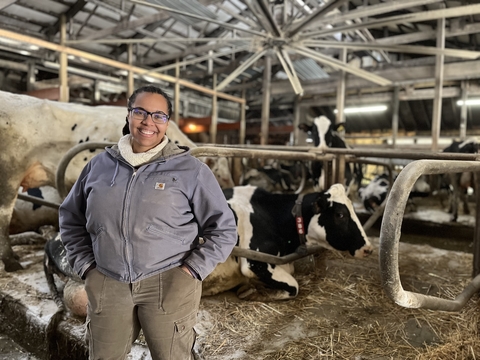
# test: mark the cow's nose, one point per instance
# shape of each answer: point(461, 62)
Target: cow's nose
point(367, 252)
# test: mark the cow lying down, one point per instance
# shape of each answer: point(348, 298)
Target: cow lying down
point(266, 224)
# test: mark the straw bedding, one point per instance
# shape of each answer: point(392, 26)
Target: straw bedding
point(342, 312)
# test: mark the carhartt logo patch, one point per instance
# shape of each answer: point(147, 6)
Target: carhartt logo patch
point(159, 186)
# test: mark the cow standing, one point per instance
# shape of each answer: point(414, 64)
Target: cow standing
point(458, 184)
point(266, 224)
point(36, 134)
point(325, 135)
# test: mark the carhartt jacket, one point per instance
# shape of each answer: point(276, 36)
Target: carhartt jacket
point(137, 222)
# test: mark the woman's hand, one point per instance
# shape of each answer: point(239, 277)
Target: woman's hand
point(187, 270)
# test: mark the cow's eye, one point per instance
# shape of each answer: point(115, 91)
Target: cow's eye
point(340, 215)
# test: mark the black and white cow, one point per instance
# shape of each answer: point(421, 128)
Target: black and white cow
point(266, 224)
point(325, 134)
point(376, 191)
point(458, 184)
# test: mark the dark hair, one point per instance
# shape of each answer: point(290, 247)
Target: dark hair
point(146, 89)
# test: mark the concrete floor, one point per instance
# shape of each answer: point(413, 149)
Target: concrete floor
point(9, 350)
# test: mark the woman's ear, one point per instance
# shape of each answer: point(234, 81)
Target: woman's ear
point(126, 128)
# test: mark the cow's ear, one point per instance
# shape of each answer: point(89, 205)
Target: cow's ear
point(340, 127)
point(321, 204)
point(305, 127)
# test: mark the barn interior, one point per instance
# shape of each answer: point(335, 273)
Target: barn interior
point(290, 60)
point(402, 75)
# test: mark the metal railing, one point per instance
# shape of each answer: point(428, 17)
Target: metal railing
point(391, 231)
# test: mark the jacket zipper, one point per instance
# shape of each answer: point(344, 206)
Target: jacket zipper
point(124, 224)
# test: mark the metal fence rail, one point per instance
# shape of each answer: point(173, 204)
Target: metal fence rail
point(391, 231)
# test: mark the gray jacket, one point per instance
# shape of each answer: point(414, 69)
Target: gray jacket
point(135, 223)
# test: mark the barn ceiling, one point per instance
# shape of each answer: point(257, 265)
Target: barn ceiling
point(308, 45)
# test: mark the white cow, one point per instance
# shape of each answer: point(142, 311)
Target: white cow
point(35, 134)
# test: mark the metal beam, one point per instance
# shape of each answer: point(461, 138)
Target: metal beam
point(340, 66)
point(413, 49)
point(400, 19)
point(289, 69)
point(199, 59)
point(201, 18)
point(262, 20)
point(319, 13)
point(372, 10)
point(250, 61)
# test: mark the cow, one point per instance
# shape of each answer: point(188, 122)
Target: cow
point(325, 135)
point(457, 185)
point(279, 176)
point(265, 223)
point(35, 134)
point(376, 191)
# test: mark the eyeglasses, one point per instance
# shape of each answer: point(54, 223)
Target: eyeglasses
point(158, 117)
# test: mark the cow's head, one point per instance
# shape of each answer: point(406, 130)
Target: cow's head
point(375, 192)
point(324, 133)
point(337, 224)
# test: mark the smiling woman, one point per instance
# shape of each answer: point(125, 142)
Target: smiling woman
point(158, 199)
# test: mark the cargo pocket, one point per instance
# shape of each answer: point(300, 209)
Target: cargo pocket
point(184, 337)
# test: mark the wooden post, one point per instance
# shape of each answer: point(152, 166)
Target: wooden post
point(437, 101)
point(130, 79)
point(396, 106)
point(213, 125)
point(267, 77)
point(463, 113)
point(63, 71)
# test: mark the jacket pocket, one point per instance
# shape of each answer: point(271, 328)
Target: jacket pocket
point(165, 233)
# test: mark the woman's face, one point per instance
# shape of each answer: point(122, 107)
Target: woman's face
point(145, 133)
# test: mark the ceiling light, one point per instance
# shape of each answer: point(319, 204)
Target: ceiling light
point(364, 109)
point(469, 102)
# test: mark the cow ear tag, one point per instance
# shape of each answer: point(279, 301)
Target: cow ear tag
point(159, 186)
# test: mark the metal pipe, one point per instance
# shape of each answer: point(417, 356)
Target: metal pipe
point(38, 201)
point(70, 154)
point(300, 252)
point(391, 231)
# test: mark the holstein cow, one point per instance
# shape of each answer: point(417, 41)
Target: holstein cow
point(35, 134)
point(266, 224)
point(376, 191)
point(458, 184)
point(325, 135)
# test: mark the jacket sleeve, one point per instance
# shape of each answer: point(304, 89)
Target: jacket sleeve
point(216, 222)
point(73, 231)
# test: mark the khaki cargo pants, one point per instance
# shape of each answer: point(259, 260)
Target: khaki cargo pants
point(164, 306)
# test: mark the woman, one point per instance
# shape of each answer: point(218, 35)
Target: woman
point(131, 227)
